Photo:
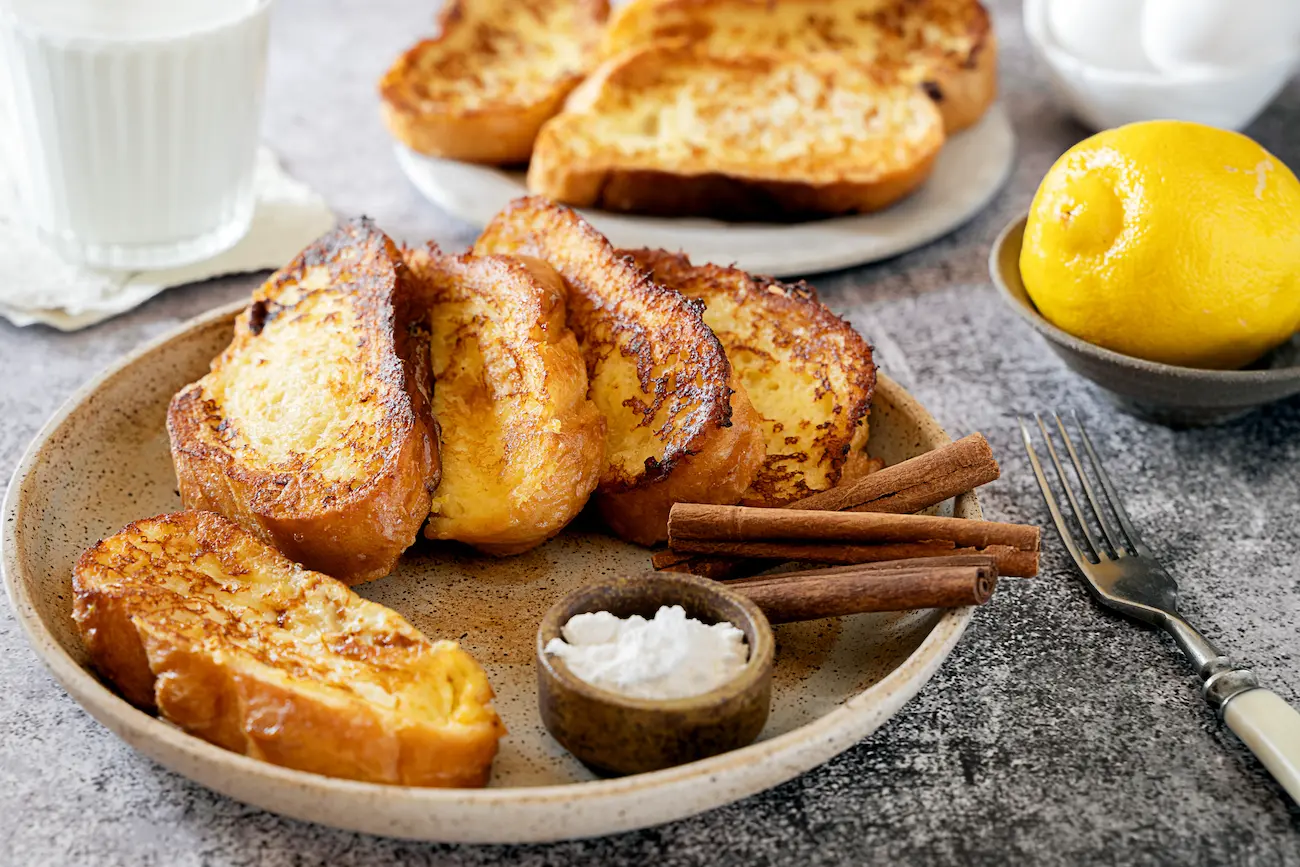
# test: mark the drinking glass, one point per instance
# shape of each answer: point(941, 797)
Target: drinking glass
point(136, 124)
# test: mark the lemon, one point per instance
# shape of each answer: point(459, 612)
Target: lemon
point(1169, 241)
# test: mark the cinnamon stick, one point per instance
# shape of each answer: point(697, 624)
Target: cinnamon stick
point(711, 523)
point(910, 486)
point(1010, 561)
point(885, 566)
point(916, 483)
point(717, 568)
point(811, 596)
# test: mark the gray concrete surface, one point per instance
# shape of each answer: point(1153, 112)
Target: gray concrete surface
point(1056, 734)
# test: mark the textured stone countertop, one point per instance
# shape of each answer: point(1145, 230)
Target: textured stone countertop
point(1055, 733)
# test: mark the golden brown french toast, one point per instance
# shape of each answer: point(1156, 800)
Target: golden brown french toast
point(498, 69)
point(808, 373)
point(945, 46)
point(680, 428)
point(522, 446)
point(312, 429)
point(668, 130)
point(233, 642)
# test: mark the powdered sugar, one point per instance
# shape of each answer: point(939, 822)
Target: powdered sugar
point(669, 656)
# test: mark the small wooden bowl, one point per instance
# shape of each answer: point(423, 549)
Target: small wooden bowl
point(614, 734)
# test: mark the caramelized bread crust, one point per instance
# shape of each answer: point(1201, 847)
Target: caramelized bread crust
point(228, 639)
point(809, 374)
point(945, 46)
point(680, 428)
point(672, 131)
point(496, 72)
point(522, 446)
point(312, 429)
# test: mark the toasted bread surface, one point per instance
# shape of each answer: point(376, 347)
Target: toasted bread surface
point(680, 428)
point(669, 130)
point(522, 445)
point(498, 70)
point(945, 46)
point(312, 429)
point(808, 373)
point(233, 642)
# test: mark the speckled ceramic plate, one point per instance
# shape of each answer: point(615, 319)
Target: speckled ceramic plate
point(103, 461)
point(972, 167)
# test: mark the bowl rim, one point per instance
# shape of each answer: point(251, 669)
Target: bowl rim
point(1025, 308)
point(758, 667)
point(65, 37)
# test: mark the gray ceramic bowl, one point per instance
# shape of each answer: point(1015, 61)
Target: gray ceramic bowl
point(614, 734)
point(1163, 393)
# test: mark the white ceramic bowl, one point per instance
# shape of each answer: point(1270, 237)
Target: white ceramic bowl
point(1104, 98)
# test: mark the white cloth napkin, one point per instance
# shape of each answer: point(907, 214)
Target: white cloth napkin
point(36, 286)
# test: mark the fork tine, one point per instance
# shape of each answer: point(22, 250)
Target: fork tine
point(1112, 496)
point(1097, 551)
point(1057, 518)
point(1107, 528)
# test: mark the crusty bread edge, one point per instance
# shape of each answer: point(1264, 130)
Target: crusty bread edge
point(498, 133)
point(339, 541)
point(963, 94)
point(530, 216)
point(204, 699)
point(580, 458)
point(716, 195)
point(784, 301)
point(557, 174)
point(720, 470)
point(392, 508)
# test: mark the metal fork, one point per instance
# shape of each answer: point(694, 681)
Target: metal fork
point(1123, 574)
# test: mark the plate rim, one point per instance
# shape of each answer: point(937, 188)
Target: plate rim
point(791, 754)
point(793, 265)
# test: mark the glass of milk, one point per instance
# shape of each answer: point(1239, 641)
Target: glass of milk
point(136, 124)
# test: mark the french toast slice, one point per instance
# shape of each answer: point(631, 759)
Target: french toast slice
point(808, 373)
point(680, 427)
point(227, 638)
point(946, 46)
point(668, 130)
point(312, 429)
point(522, 445)
point(496, 72)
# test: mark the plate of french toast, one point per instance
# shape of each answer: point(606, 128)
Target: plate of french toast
point(785, 137)
point(299, 549)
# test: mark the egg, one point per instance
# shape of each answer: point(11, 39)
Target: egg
point(1105, 33)
point(1180, 35)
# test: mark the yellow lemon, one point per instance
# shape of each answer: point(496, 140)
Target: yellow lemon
point(1169, 241)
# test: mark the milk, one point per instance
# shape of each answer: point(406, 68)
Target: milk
point(127, 19)
point(137, 123)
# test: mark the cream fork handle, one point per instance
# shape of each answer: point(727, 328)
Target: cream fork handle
point(1271, 728)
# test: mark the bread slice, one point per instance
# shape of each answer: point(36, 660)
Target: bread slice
point(665, 130)
point(680, 427)
point(230, 640)
point(498, 69)
point(945, 46)
point(522, 446)
point(312, 429)
point(808, 373)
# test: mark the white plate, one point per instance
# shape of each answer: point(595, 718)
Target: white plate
point(103, 461)
point(970, 170)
